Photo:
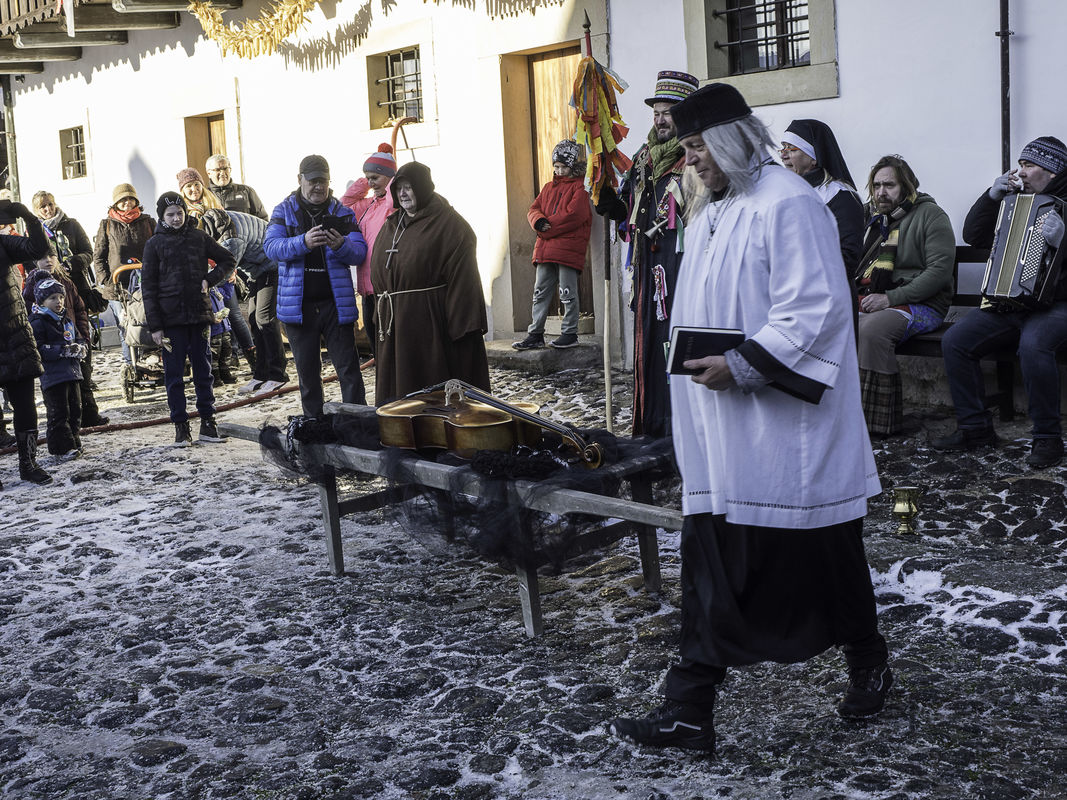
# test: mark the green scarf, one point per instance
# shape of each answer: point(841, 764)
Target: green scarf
point(663, 155)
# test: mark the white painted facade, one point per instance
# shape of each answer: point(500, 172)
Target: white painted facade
point(916, 77)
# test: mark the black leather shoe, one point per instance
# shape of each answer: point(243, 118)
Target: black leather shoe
point(866, 693)
point(966, 439)
point(673, 724)
point(1045, 453)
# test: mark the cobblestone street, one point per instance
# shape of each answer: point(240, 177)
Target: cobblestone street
point(169, 630)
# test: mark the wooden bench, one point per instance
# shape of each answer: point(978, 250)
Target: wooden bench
point(967, 297)
point(620, 517)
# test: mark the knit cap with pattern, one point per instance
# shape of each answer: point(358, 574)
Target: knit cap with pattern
point(1047, 152)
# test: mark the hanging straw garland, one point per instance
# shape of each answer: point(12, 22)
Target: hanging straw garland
point(255, 37)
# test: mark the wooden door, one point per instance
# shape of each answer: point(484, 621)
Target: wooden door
point(551, 83)
point(205, 135)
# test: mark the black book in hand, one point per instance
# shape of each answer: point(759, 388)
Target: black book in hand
point(691, 343)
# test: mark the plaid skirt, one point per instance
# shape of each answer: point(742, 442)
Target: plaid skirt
point(883, 402)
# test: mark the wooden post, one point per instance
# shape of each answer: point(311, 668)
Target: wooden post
point(641, 491)
point(530, 597)
point(331, 519)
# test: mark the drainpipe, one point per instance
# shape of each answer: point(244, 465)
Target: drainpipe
point(1005, 89)
point(9, 137)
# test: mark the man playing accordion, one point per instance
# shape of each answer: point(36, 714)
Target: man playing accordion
point(1038, 333)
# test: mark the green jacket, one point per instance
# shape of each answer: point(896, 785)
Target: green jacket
point(926, 253)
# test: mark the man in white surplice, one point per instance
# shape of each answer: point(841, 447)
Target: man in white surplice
point(770, 437)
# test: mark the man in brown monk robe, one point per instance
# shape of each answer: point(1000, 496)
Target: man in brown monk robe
point(431, 310)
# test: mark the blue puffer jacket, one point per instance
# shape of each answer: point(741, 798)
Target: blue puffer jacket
point(284, 243)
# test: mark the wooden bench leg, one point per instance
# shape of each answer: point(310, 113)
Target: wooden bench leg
point(331, 519)
point(530, 597)
point(647, 542)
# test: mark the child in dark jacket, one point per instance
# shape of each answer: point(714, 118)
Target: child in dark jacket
point(62, 350)
point(221, 348)
point(562, 217)
point(48, 267)
point(174, 286)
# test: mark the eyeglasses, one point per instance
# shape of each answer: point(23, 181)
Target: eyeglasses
point(788, 149)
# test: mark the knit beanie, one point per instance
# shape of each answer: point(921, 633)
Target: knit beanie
point(122, 191)
point(567, 153)
point(381, 162)
point(1048, 152)
point(168, 199)
point(188, 175)
point(46, 288)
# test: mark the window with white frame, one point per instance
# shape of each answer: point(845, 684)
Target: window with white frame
point(773, 51)
point(396, 86)
point(72, 153)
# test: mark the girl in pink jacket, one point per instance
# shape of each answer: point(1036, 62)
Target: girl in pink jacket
point(371, 202)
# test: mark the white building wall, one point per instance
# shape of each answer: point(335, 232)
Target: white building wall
point(917, 77)
point(132, 101)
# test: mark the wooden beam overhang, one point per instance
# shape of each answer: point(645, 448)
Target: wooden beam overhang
point(10, 54)
point(21, 67)
point(142, 6)
point(30, 39)
point(105, 18)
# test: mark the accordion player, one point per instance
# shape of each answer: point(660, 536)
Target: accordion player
point(1022, 271)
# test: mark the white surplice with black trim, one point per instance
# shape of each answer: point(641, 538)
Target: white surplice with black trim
point(794, 454)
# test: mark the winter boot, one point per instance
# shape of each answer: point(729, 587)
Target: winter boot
point(28, 467)
point(183, 437)
point(6, 439)
point(209, 431)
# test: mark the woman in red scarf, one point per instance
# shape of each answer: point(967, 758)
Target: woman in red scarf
point(120, 240)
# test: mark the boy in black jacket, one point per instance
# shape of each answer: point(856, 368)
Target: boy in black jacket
point(174, 285)
point(61, 352)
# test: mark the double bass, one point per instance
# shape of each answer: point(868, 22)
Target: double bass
point(458, 417)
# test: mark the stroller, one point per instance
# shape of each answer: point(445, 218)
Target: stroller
point(145, 369)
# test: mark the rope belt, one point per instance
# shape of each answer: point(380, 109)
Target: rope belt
point(385, 302)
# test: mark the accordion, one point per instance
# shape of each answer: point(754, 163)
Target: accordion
point(1022, 272)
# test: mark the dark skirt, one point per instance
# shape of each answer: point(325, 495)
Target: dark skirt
point(752, 594)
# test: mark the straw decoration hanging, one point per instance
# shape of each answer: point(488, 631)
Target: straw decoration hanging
point(254, 37)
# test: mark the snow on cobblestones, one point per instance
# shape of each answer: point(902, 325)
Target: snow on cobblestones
point(169, 629)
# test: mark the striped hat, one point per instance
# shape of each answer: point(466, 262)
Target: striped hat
point(1048, 152)
point(672, 87)
point(381, 162)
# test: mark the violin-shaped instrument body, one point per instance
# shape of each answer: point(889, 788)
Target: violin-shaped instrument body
point(458, 417)
point(429, 420)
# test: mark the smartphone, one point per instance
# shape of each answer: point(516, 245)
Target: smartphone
point(343, 225)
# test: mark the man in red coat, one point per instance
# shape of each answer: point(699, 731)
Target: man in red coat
point(562, 217)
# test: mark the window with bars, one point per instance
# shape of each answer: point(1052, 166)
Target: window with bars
point(402, 83)
point(72, 153)
point(764, 36)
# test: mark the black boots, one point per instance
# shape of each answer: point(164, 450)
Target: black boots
point(28, 467)
point(866, 692)
point(673, 724)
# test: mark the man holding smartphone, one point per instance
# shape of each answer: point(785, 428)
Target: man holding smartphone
point(316, 299)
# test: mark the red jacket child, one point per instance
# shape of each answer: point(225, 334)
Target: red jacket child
point(564, 203)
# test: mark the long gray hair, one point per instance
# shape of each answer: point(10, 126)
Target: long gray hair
point(733, 146)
